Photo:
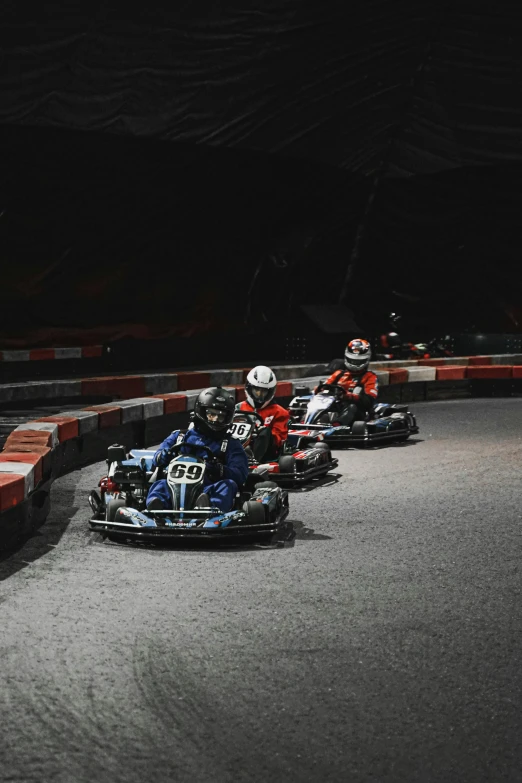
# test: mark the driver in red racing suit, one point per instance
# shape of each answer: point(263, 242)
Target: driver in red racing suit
point(360, 384)
point(260, 389)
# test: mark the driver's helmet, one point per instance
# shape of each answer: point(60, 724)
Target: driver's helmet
point(214, 411)
point(357, 355)
point(394, 341)
point(260, 387)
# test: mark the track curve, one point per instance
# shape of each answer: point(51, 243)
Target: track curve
point(385, 646)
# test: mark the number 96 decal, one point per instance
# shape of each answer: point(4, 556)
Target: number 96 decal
point(240, 430)
point(186, 472)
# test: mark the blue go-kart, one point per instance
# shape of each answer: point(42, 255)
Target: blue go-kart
point(120, 514)
point(318, 414)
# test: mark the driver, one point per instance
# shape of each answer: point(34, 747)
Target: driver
point(360, 384)
point(260, 389)
point(213, 413)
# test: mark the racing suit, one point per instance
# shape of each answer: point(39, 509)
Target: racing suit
point(273, 434)
point(361, 391)
point(220, 482)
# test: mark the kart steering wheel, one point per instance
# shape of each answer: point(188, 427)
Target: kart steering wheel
point(252, 415)
point(338, 390)
point(196, 451)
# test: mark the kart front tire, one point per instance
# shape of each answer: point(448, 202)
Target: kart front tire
point(359, 428)
point(322, 446)
point(286, 464)
point(266, 484)
point(113, 506)
point(256, 513)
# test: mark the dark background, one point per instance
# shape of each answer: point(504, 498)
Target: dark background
point(210, 169)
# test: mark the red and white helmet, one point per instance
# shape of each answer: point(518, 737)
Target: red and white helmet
point(357, 355)
point(260, 386)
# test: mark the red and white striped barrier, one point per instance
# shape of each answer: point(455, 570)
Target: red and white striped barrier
point(46, 354)
point(25, 459)
point(126, 387)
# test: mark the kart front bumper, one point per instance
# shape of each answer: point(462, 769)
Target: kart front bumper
point(280, 531)
point(299, 477)
point(342, 436)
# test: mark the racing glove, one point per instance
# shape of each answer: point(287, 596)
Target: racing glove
point(351, 397)
point(162, 458)
point(214, 471)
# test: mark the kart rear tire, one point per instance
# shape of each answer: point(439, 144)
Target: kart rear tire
point(112, 509)
point(286, 463)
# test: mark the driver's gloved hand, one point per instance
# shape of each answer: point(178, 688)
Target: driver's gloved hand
point(162, 458)
point(214, 471)
point(354, 395)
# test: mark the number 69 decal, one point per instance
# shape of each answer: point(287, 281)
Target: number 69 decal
point(186, 472)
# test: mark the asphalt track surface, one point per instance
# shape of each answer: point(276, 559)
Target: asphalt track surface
point(385, 646)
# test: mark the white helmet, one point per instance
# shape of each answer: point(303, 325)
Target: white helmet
point(260, 386)
point(357, 356)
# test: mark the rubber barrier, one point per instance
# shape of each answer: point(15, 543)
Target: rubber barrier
point(489, 371)
point(450, 373)
point(46, 354)
point(132, 386)
point(39, 451)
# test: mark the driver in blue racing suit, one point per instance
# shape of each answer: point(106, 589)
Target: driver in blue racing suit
point(213, 414)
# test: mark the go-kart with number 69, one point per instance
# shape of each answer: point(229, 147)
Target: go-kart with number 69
point(120, 512)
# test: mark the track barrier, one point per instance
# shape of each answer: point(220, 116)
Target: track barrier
point(152, 405)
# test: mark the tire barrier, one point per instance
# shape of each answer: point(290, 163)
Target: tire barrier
point(37, 452)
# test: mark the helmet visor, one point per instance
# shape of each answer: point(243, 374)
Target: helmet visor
point(357, 361)
point(259, 395)
point(216, 417)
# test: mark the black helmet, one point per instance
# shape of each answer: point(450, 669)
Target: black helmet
point(214, 411)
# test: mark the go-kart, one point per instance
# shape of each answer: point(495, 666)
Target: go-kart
point(120, 512)
point(302, 458)
point(319, 412)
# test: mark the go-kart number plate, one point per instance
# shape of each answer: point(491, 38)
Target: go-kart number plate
point(320, 401)
point(186, 472)
point(240, 429)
